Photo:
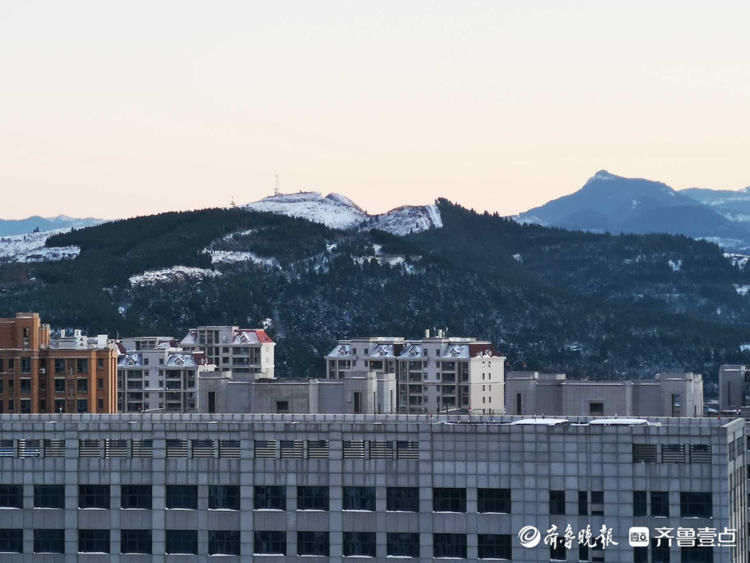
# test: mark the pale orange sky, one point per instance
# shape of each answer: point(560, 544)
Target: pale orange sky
point(117, 109)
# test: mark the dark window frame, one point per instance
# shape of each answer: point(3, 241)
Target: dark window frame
point(181, 497)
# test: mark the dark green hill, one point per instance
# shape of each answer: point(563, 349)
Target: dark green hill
point(591, 305)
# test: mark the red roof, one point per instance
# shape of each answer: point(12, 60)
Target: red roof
point(481, 348)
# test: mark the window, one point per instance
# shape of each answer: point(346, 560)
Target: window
point(403, 544)
point(82, 385)
point(597, 503)
point(49, 496)
point(696, 504)
point(11, 541)
point(271, 497)
point(25, 386)
point(135, 541)
point(449, 545)
point(312, 543)
point(583, 503)
point(639, 503)
point(182, 496)
point(402, 499)
point(82, 365)
point(557, 552)
point(659, 553)
point(359, 543)
point(448, 500)
point(82, 405)
point(59, 386)
point(93, 541)
point(312, 498)
point(659, 503)
point(359, 498)
point(59, 366)
point(697, 555)
point(493, 500)
point(223, 542)
point(644, 453)
point(135, 496)
point(596, 409)
point(282, 406)
point(269, 542)
point(495, 546)
point(25, 365)
point(640, 555)
point(583, 552)
point(225, 497)
point(182, 541)
point(93, 496)
point(11, 496)
point(557, 502)
point(49, 541)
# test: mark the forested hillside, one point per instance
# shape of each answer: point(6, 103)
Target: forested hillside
point(588, 304)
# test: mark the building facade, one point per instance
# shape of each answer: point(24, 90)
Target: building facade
point(434, 374)
point(163, 378)
point(246, 352)
point(734, 387)
point(68, 374)
point(309, 487)
point(356, 393)
point(668, 394)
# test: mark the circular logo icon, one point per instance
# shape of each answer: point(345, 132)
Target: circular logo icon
point(529, 536)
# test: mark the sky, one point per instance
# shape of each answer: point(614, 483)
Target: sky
point(116, 109)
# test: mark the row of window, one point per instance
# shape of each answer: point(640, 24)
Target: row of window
point(691, 503)
point(81, 364)
point(265, 497)
point(180, 448)
point(672, 453)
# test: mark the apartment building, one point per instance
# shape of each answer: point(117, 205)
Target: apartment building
point(330, 487)
point(668, 394)
point(71, 373)
point(155, 375)
point(246, 352)
point(434, 374)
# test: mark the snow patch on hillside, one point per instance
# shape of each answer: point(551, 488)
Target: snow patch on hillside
point(334, 210)
point(676, 265)
point(737, 260)
point(30, 248)
point(175, 273)
point(339, 212)
point(237, 256)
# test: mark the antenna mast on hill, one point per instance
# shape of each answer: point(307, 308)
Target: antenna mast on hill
point(276, 185)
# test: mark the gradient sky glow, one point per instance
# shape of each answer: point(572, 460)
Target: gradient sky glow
point(114, 109)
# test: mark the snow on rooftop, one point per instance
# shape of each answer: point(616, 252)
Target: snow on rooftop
point(618, 422)
point(539, 421)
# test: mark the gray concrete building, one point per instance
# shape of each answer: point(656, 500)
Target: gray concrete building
point(734, 387)
point(358, 392)
point(434, 374)
point(668, 394)
point(180, 487)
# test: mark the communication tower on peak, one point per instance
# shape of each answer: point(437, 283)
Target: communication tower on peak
point(276, 185)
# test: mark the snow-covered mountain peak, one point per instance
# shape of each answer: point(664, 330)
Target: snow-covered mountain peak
point(339, 212)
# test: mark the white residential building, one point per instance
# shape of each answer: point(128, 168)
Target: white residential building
point(434, 374)
point(247, 352)
point(159, 379)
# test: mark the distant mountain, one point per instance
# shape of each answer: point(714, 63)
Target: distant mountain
point(339, 212)
point(35, 222)
point(610, 203)
point(732, 205)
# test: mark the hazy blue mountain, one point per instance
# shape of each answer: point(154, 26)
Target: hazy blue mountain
point(610, 203)
point(22, 226)
point(730, 204)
